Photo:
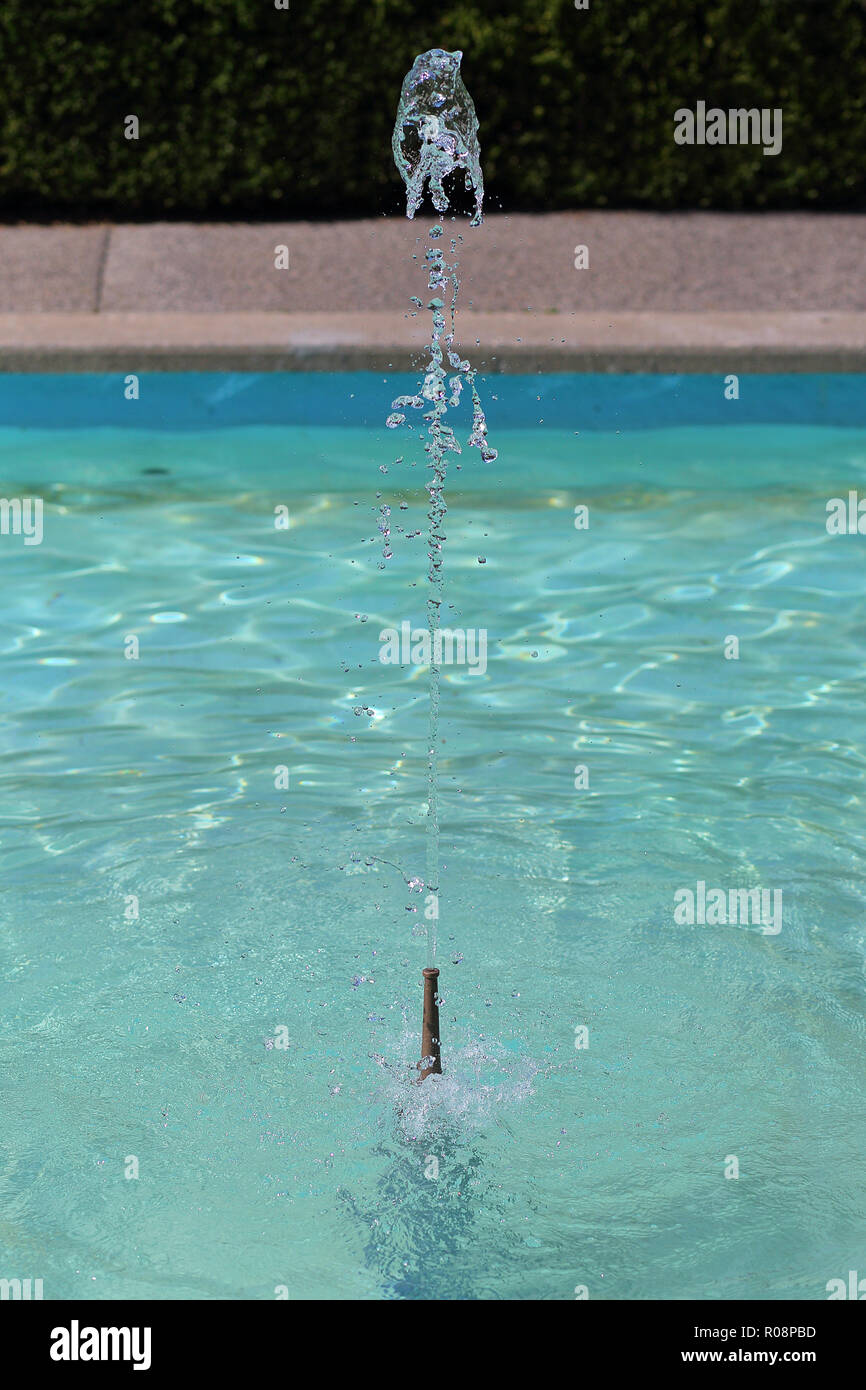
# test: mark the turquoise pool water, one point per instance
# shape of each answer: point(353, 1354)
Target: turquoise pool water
point(270, 916)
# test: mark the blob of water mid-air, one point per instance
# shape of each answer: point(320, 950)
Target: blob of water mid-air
point(436, 132)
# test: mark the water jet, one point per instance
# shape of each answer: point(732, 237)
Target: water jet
point(435, 136)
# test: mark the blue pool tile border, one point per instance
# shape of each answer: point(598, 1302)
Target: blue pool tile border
point(572, 401)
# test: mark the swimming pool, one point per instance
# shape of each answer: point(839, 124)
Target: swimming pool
point(213, 981)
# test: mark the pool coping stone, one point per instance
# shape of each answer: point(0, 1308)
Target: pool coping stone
point(517, 342)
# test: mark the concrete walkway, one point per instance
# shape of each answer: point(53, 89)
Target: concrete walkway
point(678, 292)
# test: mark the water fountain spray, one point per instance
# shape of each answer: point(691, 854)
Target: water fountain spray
point(435, 135)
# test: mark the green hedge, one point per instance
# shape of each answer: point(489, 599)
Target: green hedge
point(250, 111)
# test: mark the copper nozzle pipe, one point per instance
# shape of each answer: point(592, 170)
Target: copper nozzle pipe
point(430, 1025)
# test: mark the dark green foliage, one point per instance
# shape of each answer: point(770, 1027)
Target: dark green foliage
point(250, 111)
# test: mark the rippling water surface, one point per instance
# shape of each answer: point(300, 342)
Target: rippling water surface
point(270, 916)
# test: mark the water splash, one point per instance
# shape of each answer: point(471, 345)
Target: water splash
point(436, 134)
point(483, 1081)
point(437, 1150)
